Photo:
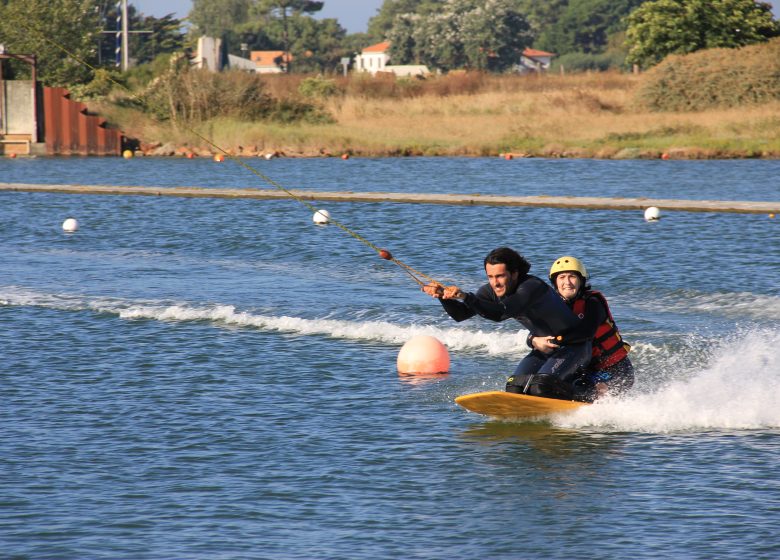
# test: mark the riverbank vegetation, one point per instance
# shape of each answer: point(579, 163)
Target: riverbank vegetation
point(711, 104)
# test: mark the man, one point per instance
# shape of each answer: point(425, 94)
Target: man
point(512, 293)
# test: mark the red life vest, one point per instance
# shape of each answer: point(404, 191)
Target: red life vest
point(608, 346)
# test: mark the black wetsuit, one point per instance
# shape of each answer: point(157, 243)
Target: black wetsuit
point(542, 311)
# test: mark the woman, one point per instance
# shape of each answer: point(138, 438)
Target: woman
point(609, 371)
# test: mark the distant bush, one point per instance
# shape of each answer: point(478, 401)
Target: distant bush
point(103, 82)
point(199, 95)
point(384, 85)
point(381, 86)
point(141, 75)
point(581, 62)
point(318, 87)
point(289, 111)
point(713, 78)
point(460, 83)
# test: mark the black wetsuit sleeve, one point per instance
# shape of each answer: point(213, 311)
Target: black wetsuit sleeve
point(484, 303)
point(457, 309)
point(595, 314)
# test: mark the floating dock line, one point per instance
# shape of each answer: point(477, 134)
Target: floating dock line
point(586, 202)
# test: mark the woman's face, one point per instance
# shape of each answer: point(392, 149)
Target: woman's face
point(568, 284)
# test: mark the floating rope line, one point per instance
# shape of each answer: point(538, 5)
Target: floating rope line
point(383, 253)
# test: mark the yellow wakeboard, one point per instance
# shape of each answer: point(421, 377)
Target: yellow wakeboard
point(500, 404)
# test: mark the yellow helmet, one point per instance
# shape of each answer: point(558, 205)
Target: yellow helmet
point(568, 264)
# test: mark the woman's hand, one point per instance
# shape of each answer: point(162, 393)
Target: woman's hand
point(544, 344)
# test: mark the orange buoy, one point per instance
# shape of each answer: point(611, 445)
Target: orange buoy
point(190, 155)
point(771, 215)
point(344, 156)
point(423, 354)
point(385, 254)
point(665, 155)
point(12, 155)
point(219, 158)
point(508, 156)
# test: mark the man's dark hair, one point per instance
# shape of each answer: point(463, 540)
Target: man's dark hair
point(513, 260)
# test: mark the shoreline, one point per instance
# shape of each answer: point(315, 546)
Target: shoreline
point(613, 153)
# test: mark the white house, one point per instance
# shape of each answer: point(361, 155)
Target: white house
point(534, 60)
point(375, 58)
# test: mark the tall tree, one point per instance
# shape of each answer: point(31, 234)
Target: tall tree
point(541, 15)
point(285, 11)
point(663, 27)
point(215, 18)
point(381, 24)
point(485, 35)
point(165, 37)
point(494, 35)
point(586, 25)
point(60, 33)
point(159, 35)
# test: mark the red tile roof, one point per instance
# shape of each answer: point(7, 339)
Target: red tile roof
point(268, 58)
point(534, 52)
point(379, 47)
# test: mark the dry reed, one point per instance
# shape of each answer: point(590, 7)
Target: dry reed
point(585, 115)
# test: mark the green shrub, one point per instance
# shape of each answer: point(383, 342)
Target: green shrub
point(289, 111)
point(713, 78)
point(318, 88)
point(381, 86)
point(581, 62)
point(191, 96)
point(103, 82)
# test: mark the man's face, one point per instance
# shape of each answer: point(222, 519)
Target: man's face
point(501, 280)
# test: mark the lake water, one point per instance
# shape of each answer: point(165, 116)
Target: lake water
point(211, 378)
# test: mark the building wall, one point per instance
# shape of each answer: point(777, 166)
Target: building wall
point(17, 113)
point(371, 62)
point(209, 56)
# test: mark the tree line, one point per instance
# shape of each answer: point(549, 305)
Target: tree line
point(486, 35)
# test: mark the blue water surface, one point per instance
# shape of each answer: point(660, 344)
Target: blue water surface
point(212, 378)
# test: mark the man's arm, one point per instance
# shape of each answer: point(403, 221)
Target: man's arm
point(449, 297)
point(457, 309)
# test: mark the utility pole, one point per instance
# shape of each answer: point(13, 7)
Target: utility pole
point(122, 33)
point(122, 56)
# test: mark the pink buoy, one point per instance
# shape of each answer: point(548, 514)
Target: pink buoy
point(423, 354)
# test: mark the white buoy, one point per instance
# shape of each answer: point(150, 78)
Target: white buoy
point(321, 217)
point(652, 214)
point(70, 225)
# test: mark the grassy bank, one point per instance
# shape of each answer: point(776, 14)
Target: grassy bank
point(586, 115)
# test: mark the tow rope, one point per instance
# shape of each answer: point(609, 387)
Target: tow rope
point(416, 275)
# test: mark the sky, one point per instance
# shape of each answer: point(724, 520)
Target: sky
point(353, 15)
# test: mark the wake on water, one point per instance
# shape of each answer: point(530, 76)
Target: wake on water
point(735, 389)
point(722, 384)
